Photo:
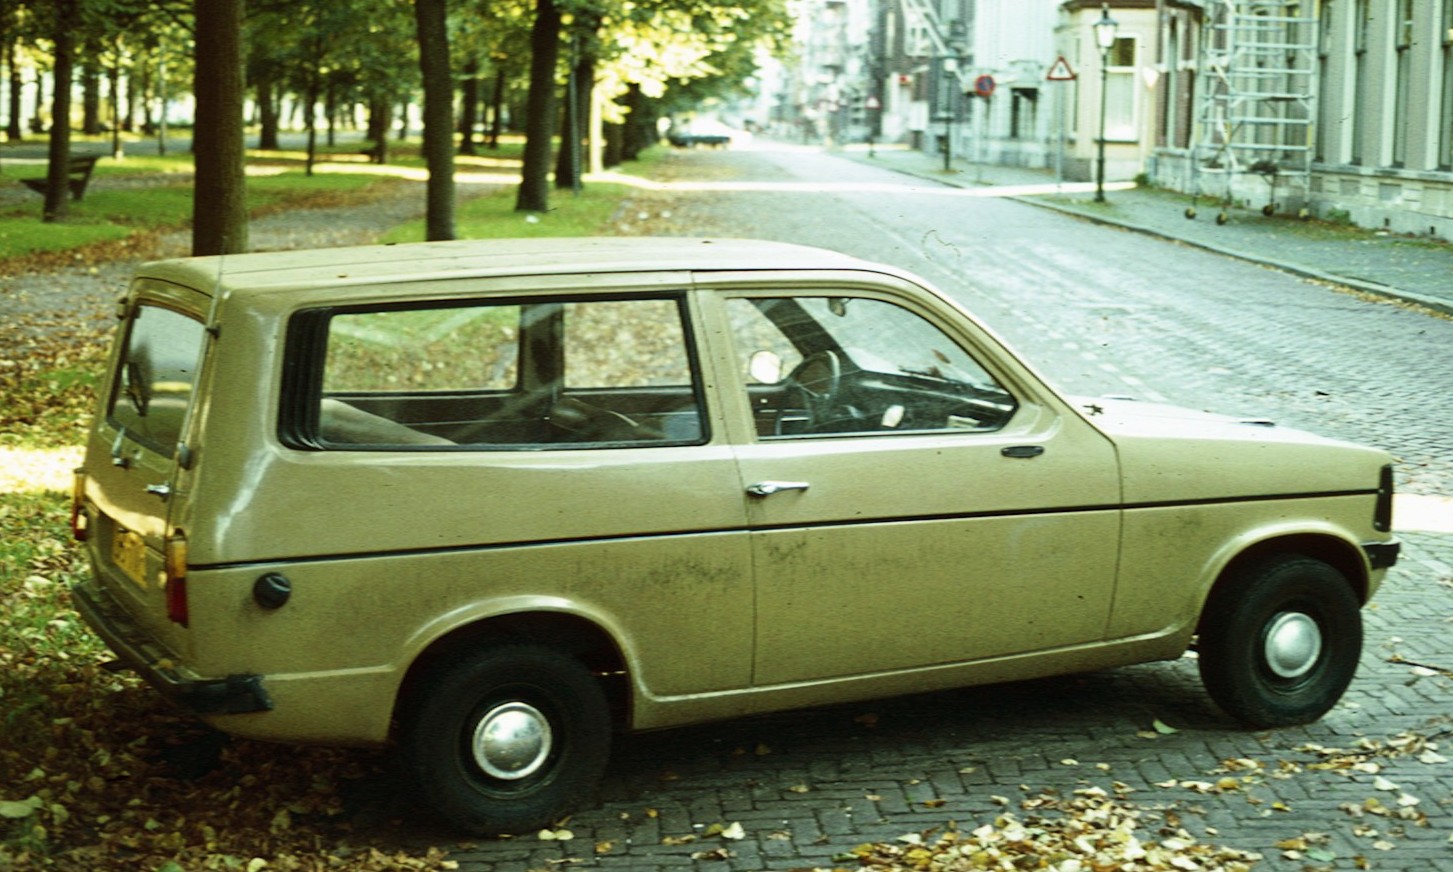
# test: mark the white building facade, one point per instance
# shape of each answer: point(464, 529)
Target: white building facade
point(1368, 139)
point(1338, 108)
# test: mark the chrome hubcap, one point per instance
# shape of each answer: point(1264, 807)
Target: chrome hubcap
point(512, 741)
point(1293, 644)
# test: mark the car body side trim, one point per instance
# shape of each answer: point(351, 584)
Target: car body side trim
point(809, 525)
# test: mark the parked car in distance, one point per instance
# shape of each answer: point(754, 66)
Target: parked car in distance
point(492, 501)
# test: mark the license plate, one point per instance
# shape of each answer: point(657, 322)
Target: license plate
point(128, 552)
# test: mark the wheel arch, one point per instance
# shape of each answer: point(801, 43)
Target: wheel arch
point(571, 634)
point(1341, 555)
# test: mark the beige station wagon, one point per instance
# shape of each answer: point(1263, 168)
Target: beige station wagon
point(491, 501)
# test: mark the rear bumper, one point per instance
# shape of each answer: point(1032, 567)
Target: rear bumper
point(233, 694)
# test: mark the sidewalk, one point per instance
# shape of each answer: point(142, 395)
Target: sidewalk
point(1415, 270)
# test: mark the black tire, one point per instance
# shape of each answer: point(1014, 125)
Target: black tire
point(1280, 643)
point(551, 731)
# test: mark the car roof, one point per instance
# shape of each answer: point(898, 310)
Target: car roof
point(324, 269)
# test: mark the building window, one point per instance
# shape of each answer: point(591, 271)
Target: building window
point(1325, 102)
point(1120, 91)
point(1445, 125)
point(1401, 118)
point(1022, 112)
point(1360, 24)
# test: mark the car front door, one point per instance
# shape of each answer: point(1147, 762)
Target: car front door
point(914, 498)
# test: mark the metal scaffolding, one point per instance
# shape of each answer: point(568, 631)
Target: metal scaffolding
point(1257, 105)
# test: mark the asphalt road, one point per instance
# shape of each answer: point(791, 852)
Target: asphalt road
point(1098, 311)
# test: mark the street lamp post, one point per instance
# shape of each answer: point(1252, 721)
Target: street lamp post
point(1104, 38)
point(950, 73)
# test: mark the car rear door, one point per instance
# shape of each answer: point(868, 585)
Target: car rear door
point(138, 444)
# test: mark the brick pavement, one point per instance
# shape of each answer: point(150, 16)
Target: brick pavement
point(1368, 786)
point(808, 786)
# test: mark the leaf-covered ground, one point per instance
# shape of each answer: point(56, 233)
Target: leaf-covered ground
point(96, 771)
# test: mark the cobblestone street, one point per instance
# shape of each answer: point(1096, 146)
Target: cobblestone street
point(1368, 787)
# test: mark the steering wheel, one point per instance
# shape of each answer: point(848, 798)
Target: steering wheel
point(819, 377)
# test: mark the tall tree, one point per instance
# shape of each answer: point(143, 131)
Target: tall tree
point(579, 90)
point(534, 194)
point(219, 197)
point(432, 17)
point(57, 181)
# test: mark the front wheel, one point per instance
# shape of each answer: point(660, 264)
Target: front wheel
point(505, 739)
point(1279, 644)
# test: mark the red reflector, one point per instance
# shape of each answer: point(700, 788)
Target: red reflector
point(176, 600)
point(175, 558)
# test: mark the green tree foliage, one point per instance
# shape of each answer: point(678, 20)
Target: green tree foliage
point(333, 55)
point(632, 60)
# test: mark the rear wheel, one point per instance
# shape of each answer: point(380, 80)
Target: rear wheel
point(505, 739)
point(1279, 644)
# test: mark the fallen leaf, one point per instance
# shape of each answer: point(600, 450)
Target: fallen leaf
point(560, 835)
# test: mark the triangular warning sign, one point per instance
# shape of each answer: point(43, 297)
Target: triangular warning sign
point(1061, 71)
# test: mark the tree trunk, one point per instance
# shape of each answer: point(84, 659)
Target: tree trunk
point(113, 85)
point(497, 107)
point(534, 195)
point(575, 131)
point(37, 118)
point(380, 118)
point(219, 201)
point(431, 17)
point(57, 177)
point(14, 129)
point(330, 110)
point(310, 122)
point(267, 138)
point(90, 95)
point(614, 141)
point(469, 107)
point(631, 140)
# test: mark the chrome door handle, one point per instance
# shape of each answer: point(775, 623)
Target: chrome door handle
point(159, 490)
point(767, 488)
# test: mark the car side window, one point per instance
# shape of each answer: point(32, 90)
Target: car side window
point(518, 375)
point(816, 365)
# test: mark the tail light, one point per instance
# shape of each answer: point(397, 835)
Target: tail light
point(175, 565)
point(80, 523)
point(1382, 510)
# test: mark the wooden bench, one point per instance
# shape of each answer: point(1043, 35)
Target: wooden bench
point(78, 173)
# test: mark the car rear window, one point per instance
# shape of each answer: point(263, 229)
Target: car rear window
point(530, 374)
point(157, 377)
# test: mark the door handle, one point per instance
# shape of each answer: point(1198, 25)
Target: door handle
point(767, 488)
point(1022, 451)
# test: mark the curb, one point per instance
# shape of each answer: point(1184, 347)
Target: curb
point(1367, 287)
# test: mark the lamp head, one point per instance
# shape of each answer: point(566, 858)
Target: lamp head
point(1105, 29)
